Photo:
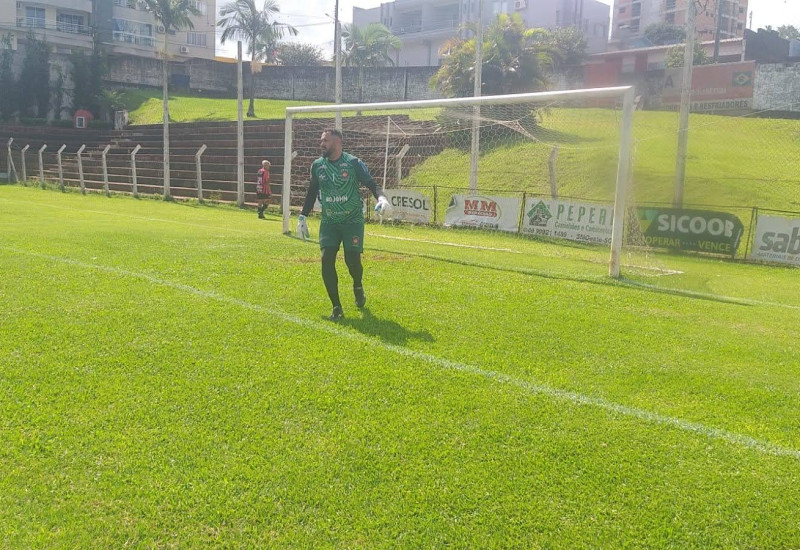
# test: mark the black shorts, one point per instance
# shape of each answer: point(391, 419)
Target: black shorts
point(262, 196)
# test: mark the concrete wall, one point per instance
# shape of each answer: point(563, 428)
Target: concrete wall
point(296, 83)
point(777, 86)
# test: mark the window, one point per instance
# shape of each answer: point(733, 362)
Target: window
point(67, 22)
point(622, 10)
point(132, 32)
point(636, 10)
point(132, 4)
point(200, 6)
point(196, 38)
point(670, 4)
point(34, 17)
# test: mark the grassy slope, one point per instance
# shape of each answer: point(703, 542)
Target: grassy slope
point(135, 410)
point(732, 161)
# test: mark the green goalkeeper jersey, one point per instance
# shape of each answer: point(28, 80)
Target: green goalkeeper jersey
point(336, 184)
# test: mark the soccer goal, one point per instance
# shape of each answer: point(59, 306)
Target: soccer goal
point(551, 164)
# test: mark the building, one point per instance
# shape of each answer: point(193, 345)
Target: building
point(632, 17)
point(425, 25)
point(123, 26)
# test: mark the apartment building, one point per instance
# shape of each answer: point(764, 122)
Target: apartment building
point(632, 17)
point(123, 26)
point(425, 25)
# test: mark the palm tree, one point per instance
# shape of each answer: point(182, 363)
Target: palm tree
point(368, 46)
point(242, 20)
point(171, 14)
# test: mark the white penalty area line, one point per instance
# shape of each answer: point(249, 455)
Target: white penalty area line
point(761, 446)
point(445, 243)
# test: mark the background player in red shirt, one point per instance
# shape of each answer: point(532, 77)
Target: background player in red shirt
point(263, 191)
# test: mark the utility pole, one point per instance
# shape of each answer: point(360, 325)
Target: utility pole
point(476, 110)
point(686, 102)
point(337, 53)
point(717, 31)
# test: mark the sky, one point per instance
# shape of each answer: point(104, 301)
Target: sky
point(309, 16)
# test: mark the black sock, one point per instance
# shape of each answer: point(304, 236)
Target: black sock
point(329, 276)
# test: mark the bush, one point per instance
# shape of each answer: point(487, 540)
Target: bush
point(33, 121)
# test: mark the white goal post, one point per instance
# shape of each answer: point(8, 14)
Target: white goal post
point(623, 94)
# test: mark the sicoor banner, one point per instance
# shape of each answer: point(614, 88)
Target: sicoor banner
point(409, 206)
point(576, 221)
point(719, 87)
point(700, 230)
point(483, 212)
point(777, 239)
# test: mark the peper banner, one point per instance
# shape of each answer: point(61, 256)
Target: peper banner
point(575, 221)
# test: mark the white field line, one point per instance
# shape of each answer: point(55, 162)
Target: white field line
point(691, 293)
point(444, 243)
point(761, 446)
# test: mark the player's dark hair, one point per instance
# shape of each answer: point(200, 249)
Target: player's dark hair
point(333, 132)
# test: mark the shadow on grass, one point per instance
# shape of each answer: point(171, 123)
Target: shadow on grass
point(387, 330)
point(604, 281)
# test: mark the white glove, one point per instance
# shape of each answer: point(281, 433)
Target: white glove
point(302, 227)
point(382, 206)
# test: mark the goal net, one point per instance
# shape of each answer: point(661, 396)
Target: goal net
point(552, 165)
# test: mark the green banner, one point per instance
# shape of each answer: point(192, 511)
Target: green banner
point(700, 230)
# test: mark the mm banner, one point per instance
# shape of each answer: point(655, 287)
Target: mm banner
point(483, 212)
point(777, 239)
point(409, 206)
point(700, 230)
point(576, 221)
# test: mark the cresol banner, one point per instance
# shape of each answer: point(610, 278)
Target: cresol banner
point(777, 239)
point(483, 212)
point(576, 221)
point(700, 230)
point(409, 206)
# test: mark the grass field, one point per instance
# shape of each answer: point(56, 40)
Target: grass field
point(169, 380)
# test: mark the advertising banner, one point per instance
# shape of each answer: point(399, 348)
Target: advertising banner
point(719, 87)
point(576, 221)
point(777, 239)
point(409, 206)
point(700, 230)
point(483, 212)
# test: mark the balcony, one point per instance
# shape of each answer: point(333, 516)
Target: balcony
point(134, 39)
point(425, 27)
point(61, 26)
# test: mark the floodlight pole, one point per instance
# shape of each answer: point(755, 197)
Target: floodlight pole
point(476, 110)
point(240, 128)
point(337, 53)
point(686, 103)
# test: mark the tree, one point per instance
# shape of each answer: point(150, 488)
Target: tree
point(662, 34)
point(515, 59)
point(171, 14)
point(300, 55)
point(789, 32)
point(568, 47)
point(87, 78)
point(34, 78)
point(8, 99)
point(368, 46)
point(242, 20)
point(675, 56)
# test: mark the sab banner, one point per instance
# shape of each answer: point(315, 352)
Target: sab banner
point(409, 206)
point(483, 212)
point(576, 221)
point(700, 230)
point(777, 239)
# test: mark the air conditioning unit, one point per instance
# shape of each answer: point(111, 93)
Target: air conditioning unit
point(520, 4)
point(184, 49)
point(160, 29)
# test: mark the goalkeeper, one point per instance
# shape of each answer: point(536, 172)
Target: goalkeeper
point(335, 179)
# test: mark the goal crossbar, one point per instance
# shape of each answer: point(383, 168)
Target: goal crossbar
point(626, 93)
